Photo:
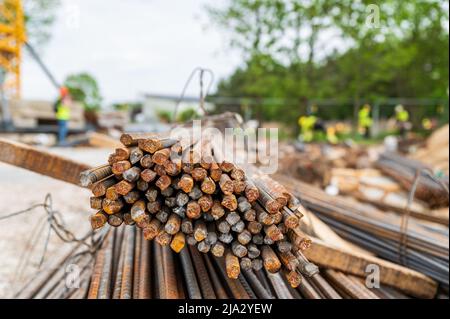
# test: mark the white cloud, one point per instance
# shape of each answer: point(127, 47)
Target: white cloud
point(131, 47)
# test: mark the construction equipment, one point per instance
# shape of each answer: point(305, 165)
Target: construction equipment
point(12, 40)
point(12, 37)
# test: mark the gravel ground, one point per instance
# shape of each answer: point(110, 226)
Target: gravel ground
point(19, 189)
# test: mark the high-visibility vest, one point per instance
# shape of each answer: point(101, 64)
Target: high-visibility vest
point(307, 127)
point(307, 122)
point(402, 116)
point(63, 112)
point(364, 119)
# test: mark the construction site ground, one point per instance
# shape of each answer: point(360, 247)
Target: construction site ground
point(20, 189)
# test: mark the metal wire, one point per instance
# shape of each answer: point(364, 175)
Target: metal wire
point(402, 251)
point(203, 94)
point(56, 224)
point(403, 244)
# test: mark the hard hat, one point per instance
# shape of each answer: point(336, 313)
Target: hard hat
point(427, 124)
point(367, 106)
point(63, 91)
point(399, 108)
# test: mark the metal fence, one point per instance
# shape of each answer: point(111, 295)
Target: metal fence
point(288, 110)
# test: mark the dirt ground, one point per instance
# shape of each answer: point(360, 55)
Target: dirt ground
point(19, 189)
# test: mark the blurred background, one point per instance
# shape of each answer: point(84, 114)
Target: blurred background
point(272, 61)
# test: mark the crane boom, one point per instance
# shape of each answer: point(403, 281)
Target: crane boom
point(47, 72)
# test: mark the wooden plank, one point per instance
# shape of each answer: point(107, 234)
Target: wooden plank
point(351, 262)
point(41, 162)
point(313, 226)
point(103, 141)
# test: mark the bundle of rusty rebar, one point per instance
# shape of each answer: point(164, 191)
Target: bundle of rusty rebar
point(128, 266)
point(415, 244)
point(180, 191)
point(431, 189)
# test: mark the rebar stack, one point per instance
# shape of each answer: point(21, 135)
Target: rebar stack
point(419, 246)
point(130, 267)
point(181, 192)
point(127, 266)
point(433, 190)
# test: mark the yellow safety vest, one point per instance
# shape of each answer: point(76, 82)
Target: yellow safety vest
point(63, 112)
point(307, 127)
point(307, 122)
point(402, 116)
point(364, 118)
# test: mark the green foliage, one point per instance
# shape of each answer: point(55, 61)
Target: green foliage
point(187, 114)
point(182, 116)
point(164, 116)
point(287, 52)
point(127, 106)
point(84, 89)
point(121, 106)
point(39, 19)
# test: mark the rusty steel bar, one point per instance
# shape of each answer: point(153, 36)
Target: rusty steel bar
point(161, 291)
point(219, 289)
point(104, 289)
point(325, 287)
point(280, 287)
point(257, 286)
point(126, 289)
point(202, 274)
point(354, 289)
point(234, 286)
point(97, 273)
point(179, 278)
point(137, 262)
point(41, 162)
point(145, 270)
point(170, 283)
point(247, 286)
point(192, 285)
point(308, 291)
point(93, 175)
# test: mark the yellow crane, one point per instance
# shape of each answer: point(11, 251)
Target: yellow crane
point(12, 39)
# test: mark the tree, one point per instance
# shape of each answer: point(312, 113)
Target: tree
point(395, 49)
point(254, 24)
point(39, 18)
point(84, 89)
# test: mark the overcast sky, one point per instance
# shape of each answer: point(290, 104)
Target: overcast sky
point(131, 47)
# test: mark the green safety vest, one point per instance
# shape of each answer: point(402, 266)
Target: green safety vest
point(62, 112)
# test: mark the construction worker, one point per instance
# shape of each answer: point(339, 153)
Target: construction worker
point(364, 120)
point(427, 124)
point(402, 118)
point(62, 109)
point(331, 135)
point(307, 125)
